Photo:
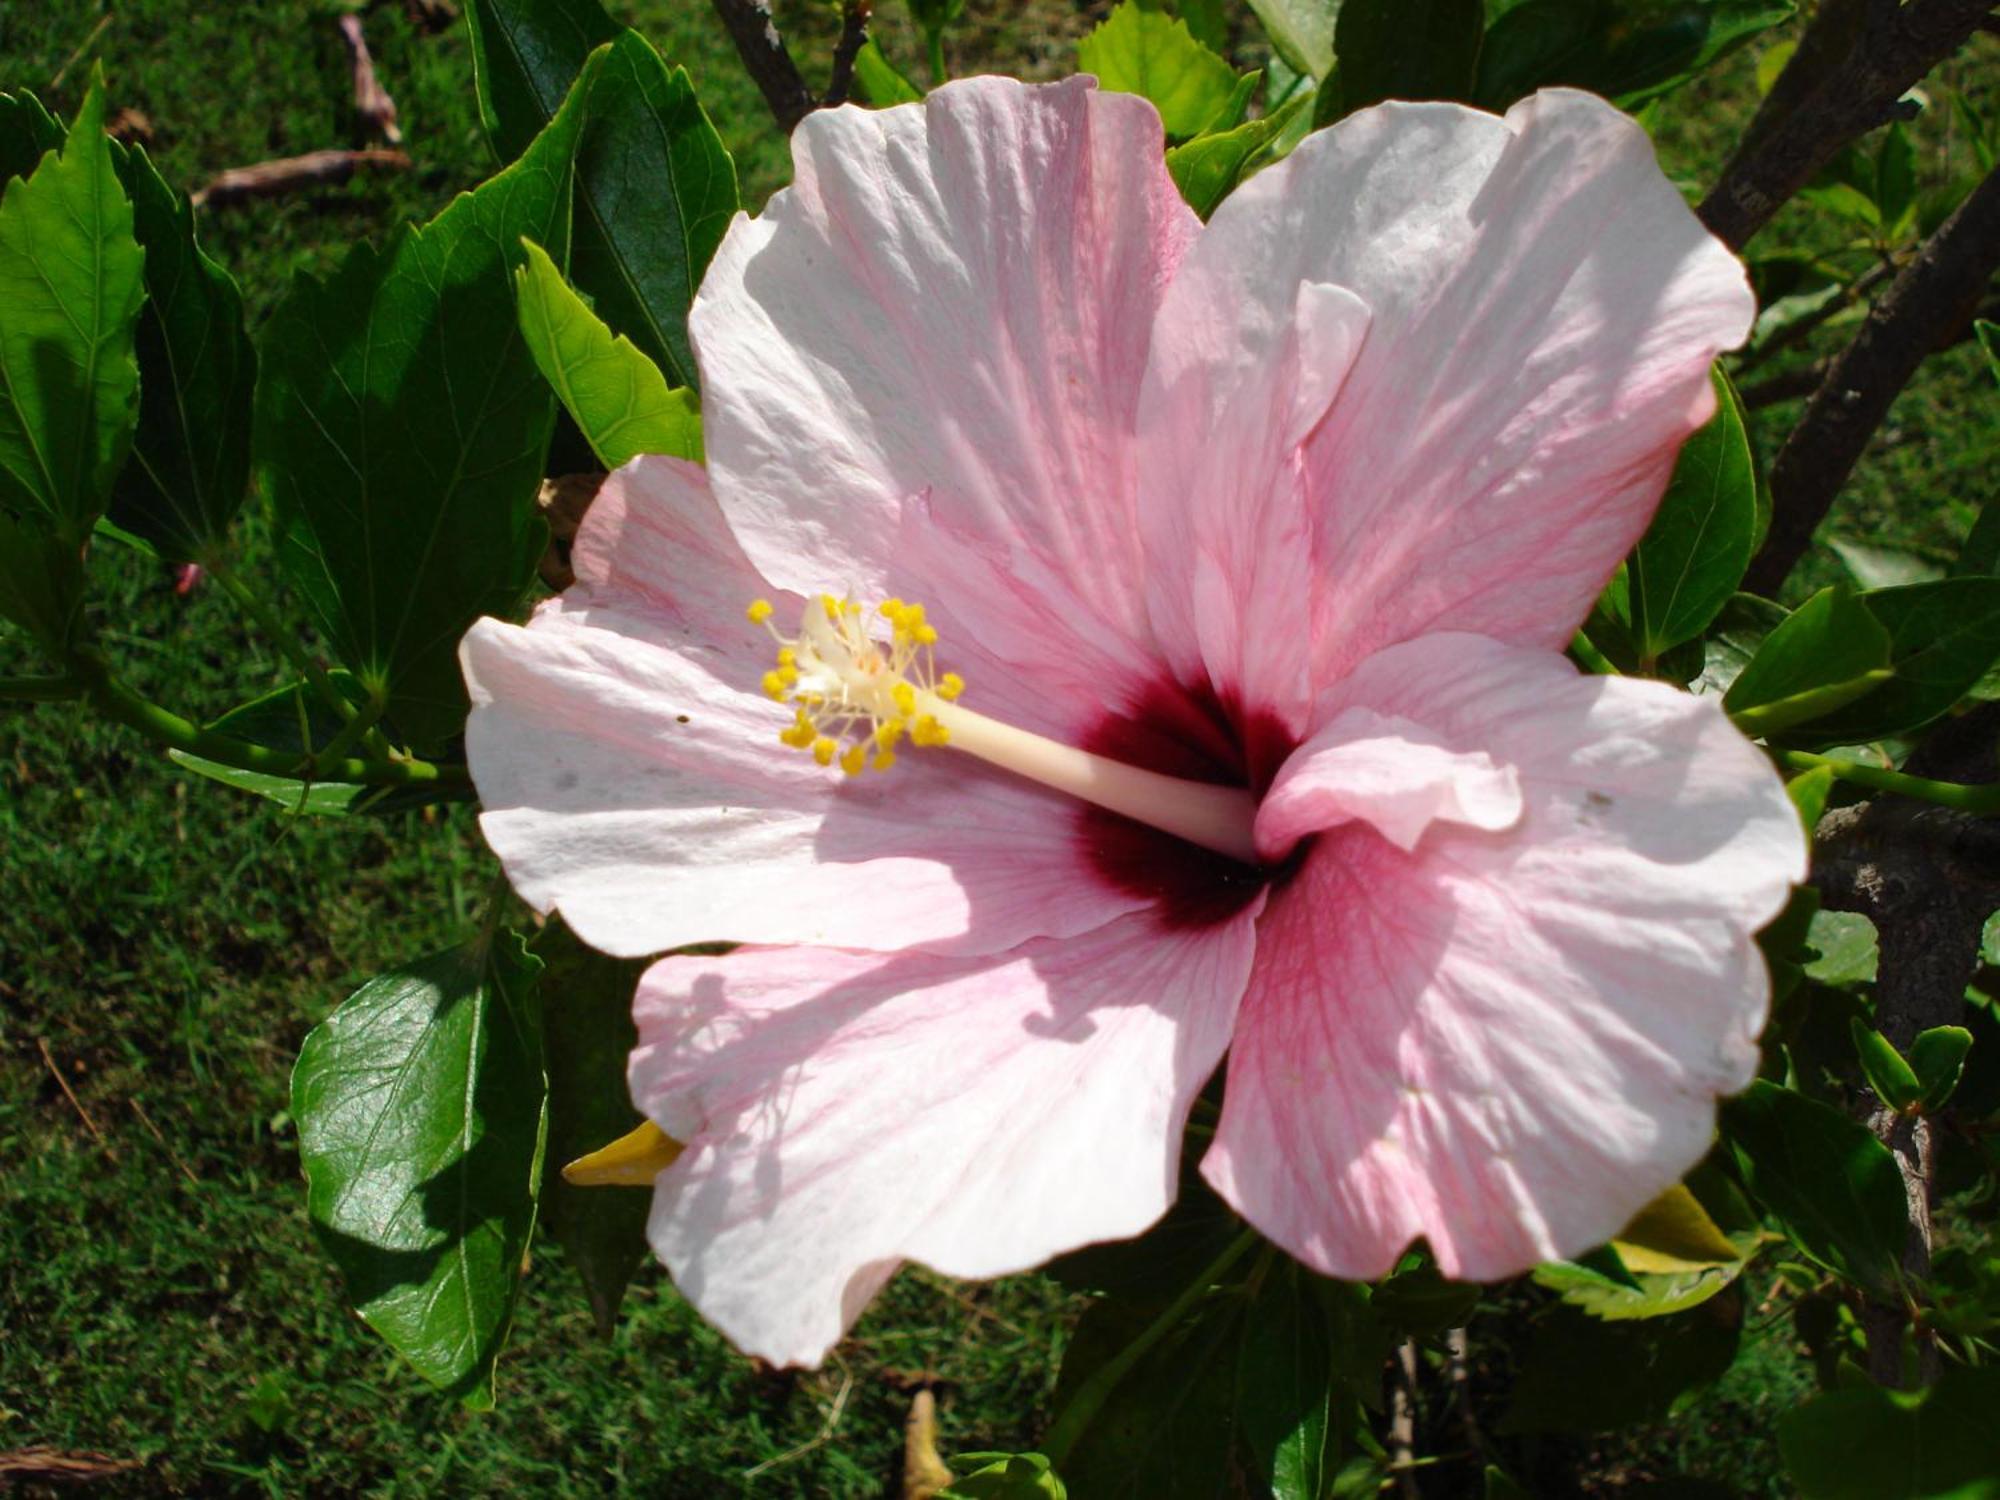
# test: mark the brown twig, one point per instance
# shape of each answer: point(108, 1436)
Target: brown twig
point(1929, 303)
point(853, 37)
point(1403, 1419)
point(1789, 385)
point(154, 1131)
point(288, 174)
point(82, 47)
point(75, 1103)
point(1854, 62)
point(767, 60)
point(1927, 877)
point(371, 101)
point(1459, 1349)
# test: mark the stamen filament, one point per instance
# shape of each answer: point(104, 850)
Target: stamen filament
point(1221, 818)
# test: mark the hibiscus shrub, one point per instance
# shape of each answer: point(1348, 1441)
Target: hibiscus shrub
point(1370, 950)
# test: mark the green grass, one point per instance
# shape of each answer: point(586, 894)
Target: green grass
point(164, 1300)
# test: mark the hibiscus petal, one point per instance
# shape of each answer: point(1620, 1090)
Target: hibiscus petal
point(632, 777)
point(1394, 773)
point(953, 297)
point(1541, 310)
point(1509, 1041)
point(845, 1112)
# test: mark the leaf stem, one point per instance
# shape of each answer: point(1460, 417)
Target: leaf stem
point(164, 727)
point(934, 45)
point(1092, 1394)
point(1979, 799)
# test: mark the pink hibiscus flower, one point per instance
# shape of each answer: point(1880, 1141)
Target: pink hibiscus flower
point(1265, 535)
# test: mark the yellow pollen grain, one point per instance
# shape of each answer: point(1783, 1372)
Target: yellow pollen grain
point(774, 685)
point(854, 759)
point(759, 611)
point(884, 759)
point(950, 686)
point(822, 749)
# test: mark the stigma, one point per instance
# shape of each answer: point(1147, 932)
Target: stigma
point(863, 682)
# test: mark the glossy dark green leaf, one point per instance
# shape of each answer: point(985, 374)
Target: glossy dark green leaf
point(190, 466)
point(1687, 566)
point(1402, 49)
point(72, 279)
point(1937, 1057)
point(1867, 1443)
point(1829, 652)
point(1943, 636)
point(1301, 32)
point(401, 431)
point(1419, 1301)
point(1895, 178)
point(421, 1111)
point(587, 999)
point(1833, 1187)
point(616, 396)
point(1981, 552)
point(1884, 1067)
point(1153, 55)
point(1582, 1374)
point(655, 187)
point(1288, 1398)
point(1208, 168)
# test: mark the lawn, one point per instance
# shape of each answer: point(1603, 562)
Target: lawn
point(164, 945)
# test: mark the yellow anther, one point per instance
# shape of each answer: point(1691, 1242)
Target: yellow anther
point(905, 698)
point(888, 734)
point(884, 759)
point(890, 608)
point(759, 611)
point(831, 605)
point(927, 731)
point(787, 657)
point(823, 749)
point(925, 635)
point(950, 686)
point(854, 759)
point(774, 685)
point(789, 675)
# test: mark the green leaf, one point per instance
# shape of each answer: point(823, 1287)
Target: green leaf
point(1847, 948)
point(1809, 791)
point(1867, 1443)
point(27, 133)
point(1674, 1233)
point(1208, 168)
point(1169, 1426)
point(190, 465)
point(1884, 1068)
point(1301, 32)
point(1829, 652)
point(1895, 178)
point(1829, 1182)
point(1989, 340)
point(615, 395)
point(1687, 566)
point(41, 583)
point(1005, 1476)
point(1402, 49)
point(881, 80)
point(1287, 1398)
point(1883, 567)
point(421, 1111)
point(1981, 552)
point(1652, 1295)
point(1582, 1374)
point(655, 187)
point(1937, 1057)
point(72, 279)
point(1734, 637)
point(401, 432)
point(1419, 1302)
point(1943, 637)
point(1536, 42)
point(587, 998)
point(1676, 42)
point(1152, 54)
